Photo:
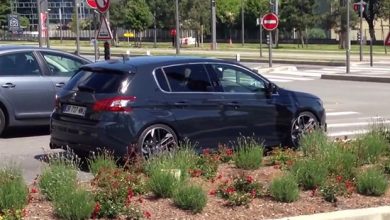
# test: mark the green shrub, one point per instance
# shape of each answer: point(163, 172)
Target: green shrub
point(13, 190)
point(370, 146)
point(206, 164)
point(73, 204)
point(101, 160)
point(284, 188)
point(190, 197)
point(162, 183)
point(56, 176)
point(183, 159)
point(371, 182)
point(310, 173)
point(249, 153)
point(313, 143)
point(339, 160)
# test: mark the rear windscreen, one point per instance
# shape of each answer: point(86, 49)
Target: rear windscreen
point(98, 82)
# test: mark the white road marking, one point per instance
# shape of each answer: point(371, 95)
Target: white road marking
point(347, 133)
point(353, 124)
point(286, 77)
point(341, 113)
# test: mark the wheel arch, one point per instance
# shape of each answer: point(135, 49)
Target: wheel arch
point(6, 114)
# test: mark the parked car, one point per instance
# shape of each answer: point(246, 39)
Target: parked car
point(30, 77)
point(149, 104)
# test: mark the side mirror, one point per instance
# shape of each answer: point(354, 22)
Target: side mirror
point(270, 89)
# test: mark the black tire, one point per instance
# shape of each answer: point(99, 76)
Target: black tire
point(2, 122)
point(149, 142)
point(302, 124)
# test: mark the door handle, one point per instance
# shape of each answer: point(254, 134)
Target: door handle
point(181, 103)
point(8, 85)
point(60, 84)
point(233, 104)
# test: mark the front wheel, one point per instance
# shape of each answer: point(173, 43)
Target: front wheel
point(2, 122)
point(304, 123)
point(157, 139)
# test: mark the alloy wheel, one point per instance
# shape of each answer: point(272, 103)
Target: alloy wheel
point(303, 124)
point(157, 140)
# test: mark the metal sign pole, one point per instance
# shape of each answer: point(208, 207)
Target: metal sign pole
point(348, 41)
point(261, 36)
point(77, 29)
point(177, 28)
point(361, 31)
point(270, 48)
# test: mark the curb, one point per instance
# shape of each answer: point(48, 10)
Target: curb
point(379, 213)
point(354, 77)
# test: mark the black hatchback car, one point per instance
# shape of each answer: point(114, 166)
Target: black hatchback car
point(149, 104)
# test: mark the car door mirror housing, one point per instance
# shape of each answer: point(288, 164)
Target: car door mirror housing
point(270, 89)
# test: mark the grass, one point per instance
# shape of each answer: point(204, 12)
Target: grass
point(73, 204)
point(284, 188)
point(190, 197)
point(370, 146)
point(310, 173)
point(162, 183)
point(13, 189)
point(101, 160)
point(339, 160)
point(249, 154)
point(372, 182)
point(313, 143)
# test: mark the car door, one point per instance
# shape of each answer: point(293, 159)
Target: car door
point(193, 102)
point(27, 92)
point(247, 109)
point(61, 67)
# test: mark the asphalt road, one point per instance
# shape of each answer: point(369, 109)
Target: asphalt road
point(351, 107)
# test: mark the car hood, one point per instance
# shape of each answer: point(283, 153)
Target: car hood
point(297, 94)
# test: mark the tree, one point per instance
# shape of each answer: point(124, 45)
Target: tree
point(196, 15)
point(253, 10)
point(4, 11)
point(228, 12)
point(298, 14)
point(24, 22)
point(371, 14)
point(137, 16)
point(336, 19)
point(163, 12)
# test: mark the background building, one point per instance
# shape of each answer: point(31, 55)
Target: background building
point(60, 11)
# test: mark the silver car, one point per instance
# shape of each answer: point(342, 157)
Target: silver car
point(30, 77)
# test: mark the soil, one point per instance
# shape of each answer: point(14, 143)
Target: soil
point(263, 208)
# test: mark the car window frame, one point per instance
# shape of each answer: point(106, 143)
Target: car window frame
point(181, 92)
point(69, 56)
point(42, 71)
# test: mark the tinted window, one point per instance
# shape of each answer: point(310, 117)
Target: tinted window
point(162, 80)
point(61, 65)
point(188, 78)
point(19, 64)
point(233, 79)
point(99, 82)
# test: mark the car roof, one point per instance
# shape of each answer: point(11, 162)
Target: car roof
point(149, 61)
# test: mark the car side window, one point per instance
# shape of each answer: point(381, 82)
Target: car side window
point(19, 64)
point(188, 78)
point(234, 79)
point(61, 65)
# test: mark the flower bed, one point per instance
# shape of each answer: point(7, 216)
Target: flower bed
point(229, 183)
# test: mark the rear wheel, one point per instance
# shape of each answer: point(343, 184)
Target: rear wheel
point(156, 139)
point(2, 121)
point(304, 123)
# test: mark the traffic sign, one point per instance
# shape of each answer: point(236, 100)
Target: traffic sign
point(387, 42)
point(104, 32)
point(270, 21)
point(102, 5)
point(13, 23)
point(92, 4)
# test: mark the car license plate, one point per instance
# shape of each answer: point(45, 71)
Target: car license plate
point(75, 110)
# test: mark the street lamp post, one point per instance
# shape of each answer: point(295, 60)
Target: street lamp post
point(348, 46)
point(177, 28)
point(242, 24)
point(361, 30)
point(77, 29)
point(213, 26)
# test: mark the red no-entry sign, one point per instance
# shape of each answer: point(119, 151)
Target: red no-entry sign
point(92, 4)
point(270, 21)
point(102, 5)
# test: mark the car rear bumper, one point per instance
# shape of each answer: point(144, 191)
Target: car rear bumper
point(89, 138)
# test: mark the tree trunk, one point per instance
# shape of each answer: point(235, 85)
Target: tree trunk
point(301, 37)
point(342, 38)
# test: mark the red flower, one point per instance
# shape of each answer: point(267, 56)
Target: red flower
point(96, 210)
point(219, 177)
point(206, 151)
point(130, 193)
point(253, 193)
point(230, 190)
point(196, 173)
point(349, 186)
point(313, 192)
point(249, 179)
point(34, 190)
point(213, 192)
point(339, 179)
point(229, 152)
point(147, 214)
point(140, 200)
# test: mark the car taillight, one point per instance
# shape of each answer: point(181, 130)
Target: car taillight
point(116, 104)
